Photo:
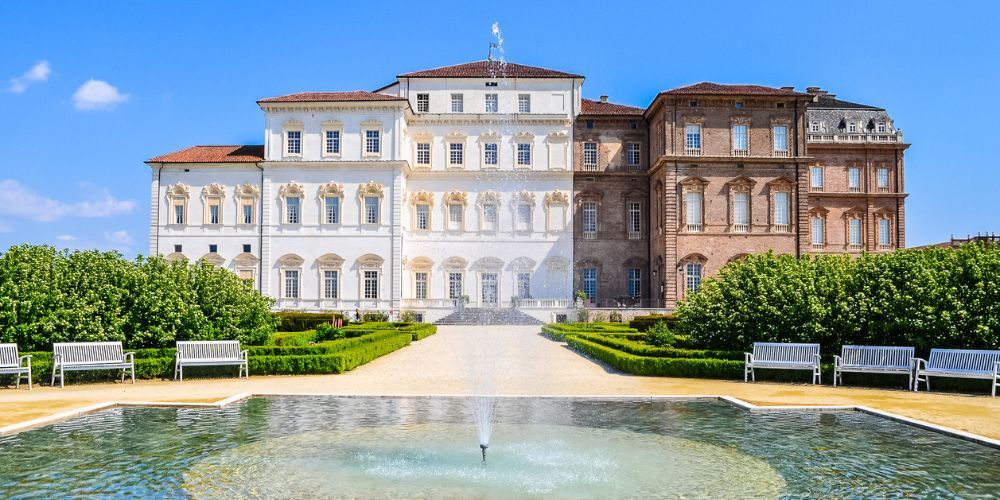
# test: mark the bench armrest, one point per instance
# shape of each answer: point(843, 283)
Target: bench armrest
point(836, 360)
point(996, 368)
point(918, 362)
point(819, 360)
point(26, 359)
point(245, 354)
point(57, 359)
point(130, 356)
point(747, 357)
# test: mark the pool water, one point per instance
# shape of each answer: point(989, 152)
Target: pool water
point(427, 447)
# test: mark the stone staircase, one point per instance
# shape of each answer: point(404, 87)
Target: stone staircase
point(488, 316)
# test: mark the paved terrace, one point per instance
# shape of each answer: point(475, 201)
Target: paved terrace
point(514, 360)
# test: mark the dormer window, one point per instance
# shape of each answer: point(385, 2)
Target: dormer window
point(457, 103)
point(814, 127)
point(881, 128)
point(852, 127)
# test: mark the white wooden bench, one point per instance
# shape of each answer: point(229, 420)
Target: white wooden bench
point(86, 356)
point(959, 363)
point(873, 359)
point(780, 356)
point(210, 353)
point(11, 363)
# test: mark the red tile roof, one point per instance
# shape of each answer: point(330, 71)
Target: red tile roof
point(589, 107)
point(356, 95)
point(489, 69)
point(709, 88)
point(214, 154)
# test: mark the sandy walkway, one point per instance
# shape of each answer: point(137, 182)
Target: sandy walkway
point(507, 360)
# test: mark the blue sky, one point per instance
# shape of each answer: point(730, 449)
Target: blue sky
point(88, 91)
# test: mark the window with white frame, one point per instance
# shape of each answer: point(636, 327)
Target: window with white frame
point(634, 219)
point(456, 154)
point(490, 217)
point(523, 217)
point(423, 216)
point(816, 178)
point(293, 210)
point(293, 142)
point(692, 209)
point(457, 103)
point(590, 154)
point(884, 232)
point(491, 154)
point(814, 127)
point(633, 154)
point(456, 217)
point(423, 153)
point(246, 196)
point(331, 284)
point(818, 231)
point(420, 284)
point(331, 142)
point(634, 282)
point(781, 212)
point(589, 218)
point(247, 212)
point(524, 285)
point(854, 179)
point(524, 154)
point(492, 103)
point(693, 276)
point(881, 128)
point(524, 103)
point(854, 233)
point(291, 290)
point(741, 211)
point(372, 209)
point(455, 285)
point(214, 212)
point(692, 138)
point(882, 179)
point(177, 198)
point(852, 127)
point(423, 103)
point(331, 210)
point(780, 133)
point(370, 284)
point(373, 142)
point(179, 214)
point(741, 145)
point(590, 283)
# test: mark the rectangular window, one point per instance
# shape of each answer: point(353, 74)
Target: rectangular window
point(454, 285)
point(423, 103)
point(371, 284)
point(780, 139)
point(854, 233)
point(884, 233)
point(456, 216)
point(852, 127)
point(634, 220)
point(331, 284)
point(492, 103)
point(178, 248)
point(371, 209)
point(816, 178)
point(331, 210)
point(423, 217)
point(524, 153)
point(457, 103)
point(590, 217)
point(590, 154)
point(333, 142)
point(524, 285)
point(294, 142)
point(246, 248)
point(692, 138)
point(634, 154)
point(373, 142)
point(781, 212)
point(814, 127)
point(693, 276)
point(524, 103)
point(490, 217)
point(456, 153)
point(420, 285)
point(490, 156)
point(881, 128)
point(213, 213)
point(590, 283)
point(213, 248)
point(291, 284)
point(693, 209)
point(882, 177)
point(741, 212)
point(246, 276)
point(292, 214)
point(423, 153)
point(854, 179)
point(247, 213)
point(740, 143)
point(178, 214)
point(634, 282)
point(818, 232)
point(524, 217)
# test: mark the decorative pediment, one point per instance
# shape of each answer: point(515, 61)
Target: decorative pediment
point(330, 260)
point(422, 198)
point(884, 212)
point(522, 264)
point(290, 260)
point(456, 135)
point(291, 190)
point(489, 263)
point(818, 211)
point(780, 120)
point(371, 122)
point(370, 261)
point(247, 190)
point(455, 196)
point(246, 259)
point(175, 257)
point(696, 117)
point(371, 188)
point(214, 190)
point(634, 194)
point(489, 136)
point(854, 213)
point(557, 197)
point(781, 184)
point(178, 190)
point(488, 197)
point(423, 137)
point(420, 264)
point(214, 259)
point(556, 263)
point(292, 123)
point(455, 263)
point(332, 124)
point(741, 120)
point(331, 189)
point(524, 137)
point(558, 137)
point(590, 195)
point(741, 183)
point(524, 196)
point(694, 182)
point(693, 258)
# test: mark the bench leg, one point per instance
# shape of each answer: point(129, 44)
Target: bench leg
point(176, 365)
point(817, 376)
point(180, 372)
point(133, 372)
point(123, 375)
point(53, 383)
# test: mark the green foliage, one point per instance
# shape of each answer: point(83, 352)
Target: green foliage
point(660, 336)
point(643, 323)
point(293, 338)
point(297, 321)
point(947, 298)
point(408, 317)
point(558, 331)
point(370, 316)
point(50, 296)
point(633, 345)
point(671, 367)
point(326, 331)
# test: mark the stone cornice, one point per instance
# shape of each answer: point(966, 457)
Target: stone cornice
point(490, 118)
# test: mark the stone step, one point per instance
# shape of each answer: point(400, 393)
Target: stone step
point(488, 316)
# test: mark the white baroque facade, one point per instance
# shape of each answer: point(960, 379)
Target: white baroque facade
point(448, 183)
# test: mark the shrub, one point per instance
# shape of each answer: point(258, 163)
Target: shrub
point(326, 331)
point(643, 323)
point(293, 338)
point(672, 367)
point(409, 317)
point(660, 336)
point(370, 316)
point(296, 321)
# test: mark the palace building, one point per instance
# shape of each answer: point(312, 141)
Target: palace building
point(496, 184)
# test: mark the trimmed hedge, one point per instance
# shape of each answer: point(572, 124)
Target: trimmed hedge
point(558, 331)
point(642, 349)
point(671, 367)
point(295, 321)
point(643, 323)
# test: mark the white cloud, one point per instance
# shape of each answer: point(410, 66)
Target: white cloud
point(119, 238)
point(65, 237)
point(97, 94)
point(18, 201)
point(38, 73)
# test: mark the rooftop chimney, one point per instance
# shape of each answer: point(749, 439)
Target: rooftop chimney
point(816, 91)
point(791, 88)
point(604, 98)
